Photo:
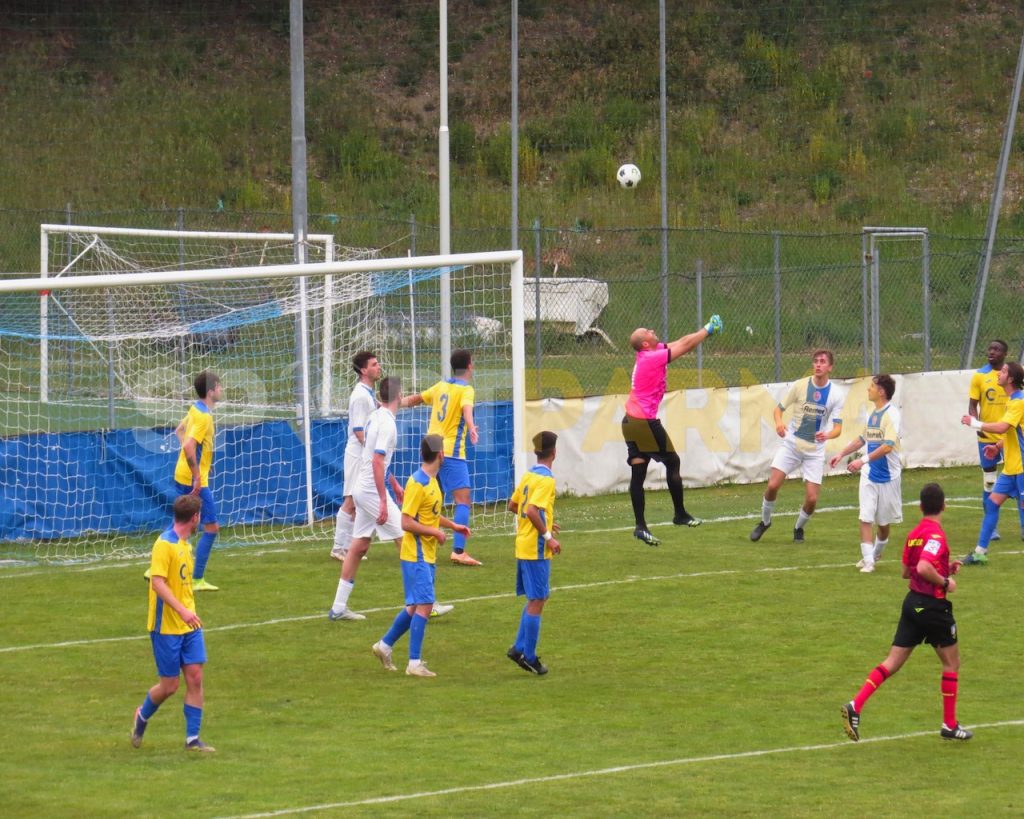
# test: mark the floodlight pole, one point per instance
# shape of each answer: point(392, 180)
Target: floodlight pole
point(664, 169)
point(514, 125)
point(444, 199)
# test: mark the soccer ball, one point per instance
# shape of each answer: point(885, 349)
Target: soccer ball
point(628, 175)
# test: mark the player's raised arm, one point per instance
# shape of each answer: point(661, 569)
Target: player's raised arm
point(684, 344)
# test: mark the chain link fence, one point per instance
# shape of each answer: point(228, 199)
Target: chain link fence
point(902, 305)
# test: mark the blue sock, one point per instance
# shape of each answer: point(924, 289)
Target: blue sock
point(203, 549)
point(462, 516)
point(193, 719)
point(520, 644)
point(400, 625)
point(988, 523)
point(532, 636)
point(148, 708)
point(416, 632)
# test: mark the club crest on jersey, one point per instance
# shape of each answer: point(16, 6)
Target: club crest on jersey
point(817, 395)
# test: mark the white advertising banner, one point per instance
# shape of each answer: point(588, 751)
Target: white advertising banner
point(727, 435)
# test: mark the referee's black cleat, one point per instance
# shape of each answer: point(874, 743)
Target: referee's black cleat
point(759, 530)
point(687, 520)
point(956, 732)
point(646, 537)
point(798, 535)
point(851, 721)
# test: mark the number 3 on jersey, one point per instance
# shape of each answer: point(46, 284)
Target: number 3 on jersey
point(442, 407)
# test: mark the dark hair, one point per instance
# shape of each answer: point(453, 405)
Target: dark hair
point(827, 353)
point(205, 382)
point(460, 361)
point(1016, 373)
point(430, 447)
point(361, 360)
point(544, 444)
point(932, 499)
point(1001, 343)
point(390, 387)
point(186, 507)
point(888, 385)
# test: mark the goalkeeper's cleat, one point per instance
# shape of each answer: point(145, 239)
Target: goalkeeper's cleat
point(851, 721)
point(344, 614)
point(440, 610)
point(975, 559)
point(463, 559)
point(760, 529)
point(956, 732)
point(714, 325)
point(687, 520)
point(418, 668)
point(138, 728)
point(646, 537)
point(382, 651)
point(202, 584)
point(198, 746)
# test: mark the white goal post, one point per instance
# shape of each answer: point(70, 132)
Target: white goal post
point(121, 349)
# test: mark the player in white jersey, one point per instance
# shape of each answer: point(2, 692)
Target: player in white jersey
point(881, 499)
point(375, 510)
point(360, 404)
point(817, 404)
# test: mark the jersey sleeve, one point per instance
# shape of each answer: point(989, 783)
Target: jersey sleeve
point(1014, 413)
point(517, 496)
point(387, 441)
point(543, 494)
point(414, 491)
point(890, 434)
point(934, 550)
point(791, 396)
point(428, 395)
point(468, 397)
point(358, 414)
point(975, 391)
point(160, 562)
point(199, 427)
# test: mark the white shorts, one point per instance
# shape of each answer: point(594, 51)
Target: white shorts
point(881, 503)
point(788, 458)
point(367, 509)
point(351, 470)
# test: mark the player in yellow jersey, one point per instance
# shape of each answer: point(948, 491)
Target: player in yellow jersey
point(451, 416)
point(987, 402)
point(1011, 482)
point(192, 473)
point(422, 524)
point(175, 629)
point(533, 503)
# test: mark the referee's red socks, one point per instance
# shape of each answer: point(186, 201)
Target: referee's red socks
point(949, 685)
point(877, 676)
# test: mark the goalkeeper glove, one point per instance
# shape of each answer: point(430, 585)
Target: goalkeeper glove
point(714, 325)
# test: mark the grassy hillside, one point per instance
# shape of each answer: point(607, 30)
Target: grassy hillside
point(819, 115)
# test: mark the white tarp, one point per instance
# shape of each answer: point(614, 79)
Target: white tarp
point(578, 302)
point(727, 434)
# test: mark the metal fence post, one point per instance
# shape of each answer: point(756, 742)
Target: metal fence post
point(536, 300)
point(926, 302)
point(700, 320)
point(777, 269)
point(865, 259)
point(412, 234)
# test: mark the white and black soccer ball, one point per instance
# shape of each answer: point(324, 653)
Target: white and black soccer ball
point(628, 175)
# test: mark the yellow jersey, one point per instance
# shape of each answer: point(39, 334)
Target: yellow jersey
point(172, 560)
point(1013, 438)
point(422, 502)
point(537, 488)
point(991, 399)
point(447, 400)
point(198, 427)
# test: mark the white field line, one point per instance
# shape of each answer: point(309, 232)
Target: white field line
point(599, 772)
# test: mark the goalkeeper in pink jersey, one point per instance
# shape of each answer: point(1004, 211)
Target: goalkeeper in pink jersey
point(646, 438)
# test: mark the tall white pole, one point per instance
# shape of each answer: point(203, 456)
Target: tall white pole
point(514, 124)
point(663, 105)
point(444, 200)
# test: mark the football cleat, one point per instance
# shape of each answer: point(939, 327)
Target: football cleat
point(975, 559)
point(440, 610)
point(646, 537)
point(995, 536)
point(344, 614)
point(867, 568)
point(687, 520)
point(798, 534)
point(382, 652)
point(419, 669)
point(463, 559)
point(202, 584)
point(534, 666)
point(956, 732)
point(199, 746)
point(851, 721)
point(138, 728)
point(760, 529)
point(515, 655)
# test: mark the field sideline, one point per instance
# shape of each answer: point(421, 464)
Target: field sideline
point(700, 678)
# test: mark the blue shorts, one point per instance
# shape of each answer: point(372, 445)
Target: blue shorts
point(1010, 485)
point(172, 651)
point(208, 514)
point(454, 474)
point(533, 579)
point(418, 580)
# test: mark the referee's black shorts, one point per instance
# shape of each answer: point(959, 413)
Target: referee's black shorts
point(646, 439)
point(925, 619)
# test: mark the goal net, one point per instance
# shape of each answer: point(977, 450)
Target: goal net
point(97, 357)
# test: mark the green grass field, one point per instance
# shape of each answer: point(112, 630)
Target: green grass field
point(700, 678)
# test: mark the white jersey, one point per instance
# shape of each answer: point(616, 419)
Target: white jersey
point(381, 439)
point(816, 409)
point(360, 404)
